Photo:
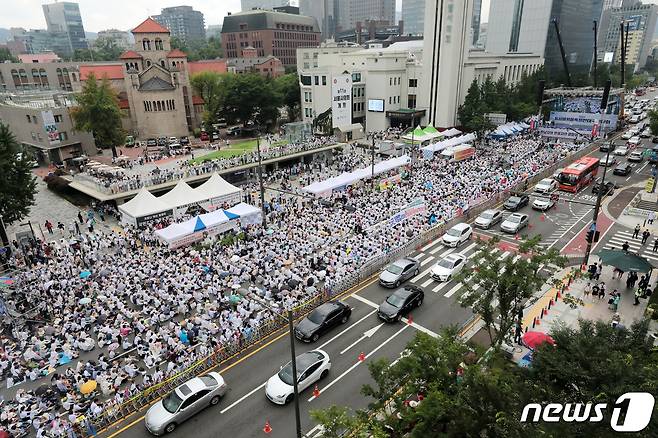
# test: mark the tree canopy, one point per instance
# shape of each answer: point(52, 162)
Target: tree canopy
point(5, 55)
point(288, 87)
point(98, 112)
point(197, 49)
point(466, 397)
point(17, 184)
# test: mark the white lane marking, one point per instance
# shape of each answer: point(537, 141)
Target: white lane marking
point(316, 432)
point(241, 399)
point(365, 301)
point(443, 254)
point(420, 328)
point(427, 260)
point(427, 282)
point(564, 234)
point(337, 379)
point(366, 334)
point(452, 291)
point(440, 286)
point(344, 331)
point(431, 244)
point(418, 277)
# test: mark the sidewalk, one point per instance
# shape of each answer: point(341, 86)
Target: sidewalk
point(625, 219)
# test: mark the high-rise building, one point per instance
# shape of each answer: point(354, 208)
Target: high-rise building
point(120, 38)
point(609, 4)
point(324, 11)
point(352, 11)
point(214, 31)
point(269, 33)
point(65, 17)
point(575, 19)
point(183, 22)
point(248, 5)
point(476, 21)
point(518, 26)
point(413, 13)
point(640, 22)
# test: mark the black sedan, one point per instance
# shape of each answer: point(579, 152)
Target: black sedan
point(608, 190)
point(622, 169)
point(516, 202)
point(321, 320)
point(400, 303)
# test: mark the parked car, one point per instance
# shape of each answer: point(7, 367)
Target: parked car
point(311, 367)
point(184, 402)
point(129, 142)
point(514, 223)
point(516, 202)
point(654, 139)
point(400, 303)
point(322, 319)
point(215, 136)
point(204, 136)
point(621, 150)
point(607, 190)
point(622, 170)
point(488, 219)
point(151, 142)
point(457, 235)
point(635, 157)
point(399, 271)
point(608, 161)
point(162, 141)
point(646, 133)
point(172, 140)
point(234, 130)
point(547, 185)
point(542, 204)
point(184, 140)
point(448, 266)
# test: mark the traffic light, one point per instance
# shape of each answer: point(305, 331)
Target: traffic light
point(592, 236)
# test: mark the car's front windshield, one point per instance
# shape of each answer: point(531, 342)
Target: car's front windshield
point(445, 263)
point(487, 215)
point(316, 317)
point(286, 374)
point(514, 200)
point(454, 232)
point(514, 219)
point(394, 269)
point(172, 402)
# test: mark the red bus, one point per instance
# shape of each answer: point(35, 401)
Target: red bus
point(579, 174)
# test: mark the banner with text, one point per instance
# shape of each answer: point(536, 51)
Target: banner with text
point(341, 101)
point(412, 209)
point(564, 133)
point(560, 119)
point(50, 126)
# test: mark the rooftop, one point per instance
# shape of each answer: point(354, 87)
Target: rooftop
point(38, 99)
point(150, 26)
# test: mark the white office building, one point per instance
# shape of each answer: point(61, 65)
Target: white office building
point(518, 26)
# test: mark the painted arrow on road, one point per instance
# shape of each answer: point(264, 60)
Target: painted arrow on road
point(366, 334)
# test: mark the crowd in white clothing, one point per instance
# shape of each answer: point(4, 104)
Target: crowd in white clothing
point(170, 308)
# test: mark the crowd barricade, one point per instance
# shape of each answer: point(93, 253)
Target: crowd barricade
point(88, 426)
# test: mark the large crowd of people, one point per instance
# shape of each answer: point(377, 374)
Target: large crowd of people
point(121, 310)
point(121, 182)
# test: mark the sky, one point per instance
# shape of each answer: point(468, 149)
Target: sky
point(126, 14)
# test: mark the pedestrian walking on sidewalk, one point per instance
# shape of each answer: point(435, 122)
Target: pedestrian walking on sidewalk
point(49, 226)
point(615, 301)
point(625, 247)
point(638, 294)
point(636, 233)
point(630, 281)
point(82, 222)
point(591, 270)
point(599, 270)
point(595, 291)
point(601, 291)
point(655, 245)
point(588, 289)
point(651, 217)
point(645, 236)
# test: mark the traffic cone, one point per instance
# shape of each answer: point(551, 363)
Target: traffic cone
point(362, 357)
point(545, 311)
point(538, 321)
point(410, 320)
point(558, 295)
point(542, 218)
point(516, 236)
point(316, 392)
point(530, 226)
point(267, 428)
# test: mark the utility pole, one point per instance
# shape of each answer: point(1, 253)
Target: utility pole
point(260, 181)
point(595, 53)
point(623, 54)
point(294, 375)
point(413, 146)
point(372, 163)
point(597, 207)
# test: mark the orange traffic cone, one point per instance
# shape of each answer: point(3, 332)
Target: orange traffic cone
point(545, 310)
point(267, 428)
point(538, 321)
point(316, 392)
point(410, 320)
point(362, 357)
point(516, 236)
point(542, 218)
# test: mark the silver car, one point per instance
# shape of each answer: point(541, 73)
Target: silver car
point(399, 271)
point(184, 402)
point(514, 223)
point(488, 219)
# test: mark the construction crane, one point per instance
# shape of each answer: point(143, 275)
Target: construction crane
point(564, 58)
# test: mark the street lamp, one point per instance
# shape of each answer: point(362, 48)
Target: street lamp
point(260, 180)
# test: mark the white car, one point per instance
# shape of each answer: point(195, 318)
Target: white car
point(628, 134)
point(311, 367)
point(542, 204)
point(547, 185)
point(608, 161)
point(634, 142)
point(447, 267)
point(634, 118)
point(457, 235)
point(621, 150)
point(173, 140)
point(514, 223)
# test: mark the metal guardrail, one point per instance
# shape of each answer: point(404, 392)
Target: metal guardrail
point(229, 350)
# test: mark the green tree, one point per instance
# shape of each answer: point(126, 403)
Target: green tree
point(288, 88)
point(5, 55)
point(653, 121)
point(497, 298)
point(17, 184)
point(472, 112)
point(198, 49)
point(250, 98)
point(98, 112)
point(208, 85)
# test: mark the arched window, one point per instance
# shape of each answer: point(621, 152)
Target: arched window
point(17, 79)
point(158, 44)
point(159, 105)
point(162, 63)
point(35, 77)
point(148, 63)
point(23, 76)
point(146, 44)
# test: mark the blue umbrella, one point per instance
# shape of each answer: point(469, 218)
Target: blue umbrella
point(85, 274)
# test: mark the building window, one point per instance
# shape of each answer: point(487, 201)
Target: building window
point(411, 101)
point(63, 136)
point(58, 118)
point(413, 83)
point(324, 80)
point(390, 81)
point(305, 80)
point(146, 44)
point(158, 44)
point(317, 80)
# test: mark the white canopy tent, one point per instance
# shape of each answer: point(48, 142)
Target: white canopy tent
point(144, 207)
point(451, 132)
point(324, 188)
point(249, 215)
point(217, 191)
point(180, 197)
point(450, 142)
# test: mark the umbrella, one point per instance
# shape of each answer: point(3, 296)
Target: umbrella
point(534, 339)
point(85, 300)
point(624, 261)
point(293, 283)
point(235, 258)
point(88, 387)
point(6, 281)
point(85, 274)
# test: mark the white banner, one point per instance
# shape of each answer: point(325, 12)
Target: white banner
point(341, 101)
point(50, 126)
point(564, 133)
point(608, 122)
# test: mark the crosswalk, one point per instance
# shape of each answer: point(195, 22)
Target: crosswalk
point(635, 245)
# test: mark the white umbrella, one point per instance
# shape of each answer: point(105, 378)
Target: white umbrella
point(235, 258)
point(85, 300)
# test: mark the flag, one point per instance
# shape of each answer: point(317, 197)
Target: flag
point(595, 129)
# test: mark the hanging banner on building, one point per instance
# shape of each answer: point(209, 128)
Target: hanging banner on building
point(50, 126)
point(341, 101)
point(412, 209)
point(564, 133)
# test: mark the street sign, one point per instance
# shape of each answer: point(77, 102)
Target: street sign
point(651, 185)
